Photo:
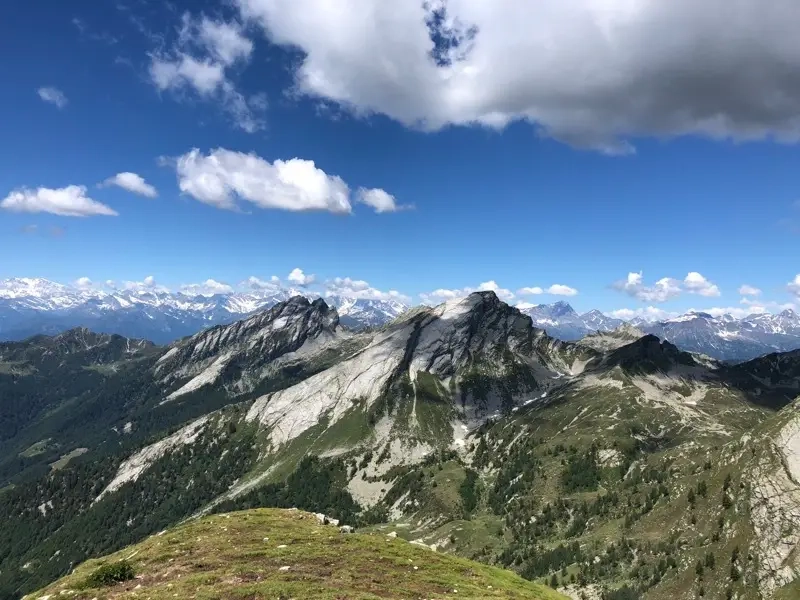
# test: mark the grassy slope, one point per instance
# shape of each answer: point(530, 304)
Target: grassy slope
point(240, 555)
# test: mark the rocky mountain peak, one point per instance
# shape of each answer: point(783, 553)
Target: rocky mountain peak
point(605, 341)
point(649, 354)
point(561, 309)
point(242, 349)
point(628, 330)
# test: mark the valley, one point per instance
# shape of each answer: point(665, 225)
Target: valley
point(618, 467)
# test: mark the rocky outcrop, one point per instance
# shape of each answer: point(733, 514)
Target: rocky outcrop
point(479, 353)
point(606, 341)
point(239, 353)
point(775, 507)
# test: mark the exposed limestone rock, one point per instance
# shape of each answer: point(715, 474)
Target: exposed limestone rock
point(247, 348)
point(133, 467)
point(775, 509)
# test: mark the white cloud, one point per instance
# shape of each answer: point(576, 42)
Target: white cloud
point(200, 62)
point(296, 184)
point(255, 283)
point(666, 288)
point(794, 286)
point(695, 283)
point(70, 201)
point(558, 289)
point(83, 283)
point(357, 288)
point(530, 291)
point(591, 73)
point(225, 41)
point(148, 284)
point(209, 287)
point(749, 290)
point(663, 290)
point(53, 96)
point(204, 76)
point(491, 286)
point(443, 295)
point(298, 277)
point(380, 200)
point(133, 183)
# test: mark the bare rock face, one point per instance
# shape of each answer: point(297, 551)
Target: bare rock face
point(606, 341)
point(476, 355)
point(775, 507)
point(241, 352)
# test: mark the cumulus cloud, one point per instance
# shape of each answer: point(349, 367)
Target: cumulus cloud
point(70, 201)
point(83, 283)
point(254, 283)
point(590, 73)
point(298, 277)
point(530, 291)
point(224, 175)
point(209, 287)
point(443, 294)
point(556, 289)
point(663, 290)
point(201, 61)
point(794, 286)
point(666, 288)
point(381, 200)
point(749, 290)
point(148, 284)
point(695, 283)
point(358, 288)
point(53, 96)
point(133, 183)
point(491, 286)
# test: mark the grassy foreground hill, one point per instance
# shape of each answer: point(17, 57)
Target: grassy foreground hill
point(282, 554)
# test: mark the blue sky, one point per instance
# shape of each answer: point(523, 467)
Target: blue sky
point(508, 185)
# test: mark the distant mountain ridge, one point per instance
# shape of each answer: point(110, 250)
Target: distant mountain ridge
point(723, 337)
point(38, 306)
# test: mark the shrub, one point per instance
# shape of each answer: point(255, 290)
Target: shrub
point(110, 574)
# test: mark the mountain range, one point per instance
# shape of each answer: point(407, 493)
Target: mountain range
point(35, 306)
point(723, 337)
point(620, 466)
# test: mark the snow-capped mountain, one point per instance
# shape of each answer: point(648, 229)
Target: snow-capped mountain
point(560, 320)
point(728, 338)
point(723, 337)
point(32, 306)
point(358, 313)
